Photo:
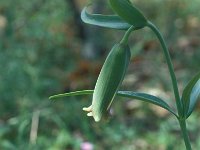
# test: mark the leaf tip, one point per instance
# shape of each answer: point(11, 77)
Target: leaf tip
point(51, 97)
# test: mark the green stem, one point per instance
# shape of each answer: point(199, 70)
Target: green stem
point(127, 34)
point(185, 134)
point(170, 67)
point(179, 104)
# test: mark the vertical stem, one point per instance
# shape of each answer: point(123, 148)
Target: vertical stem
point(185, 134)
point(179, 105)
point(170, 67)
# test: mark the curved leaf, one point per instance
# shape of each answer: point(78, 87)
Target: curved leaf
point(191, 94)
point(128, 12)
point(128, 94)
point(146, 98)
point(108, 21)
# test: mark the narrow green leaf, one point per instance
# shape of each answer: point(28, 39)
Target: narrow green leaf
point(76, 93)
point(108, 21)
point(127, 94)
point(191, 95)
point(128, 12)
point(146, 98)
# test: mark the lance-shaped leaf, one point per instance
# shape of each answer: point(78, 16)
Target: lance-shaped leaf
point(108, 21)
point(75, 93)
point(191, 94)
point(127, 94)
point(128, 12)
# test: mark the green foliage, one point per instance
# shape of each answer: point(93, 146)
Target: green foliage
point(108, 21)
point(114, 69)
point(32, 46)
point(191, 95)
point(39, 48)
point(126, 94)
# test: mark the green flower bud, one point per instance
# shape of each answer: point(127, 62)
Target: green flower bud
point(128, 12)
point(109, 80)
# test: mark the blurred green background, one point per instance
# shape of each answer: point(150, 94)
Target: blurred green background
point(45, 49)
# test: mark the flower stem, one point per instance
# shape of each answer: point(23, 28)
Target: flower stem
point(170, 67)
point(126, 35)
point(185, 134)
